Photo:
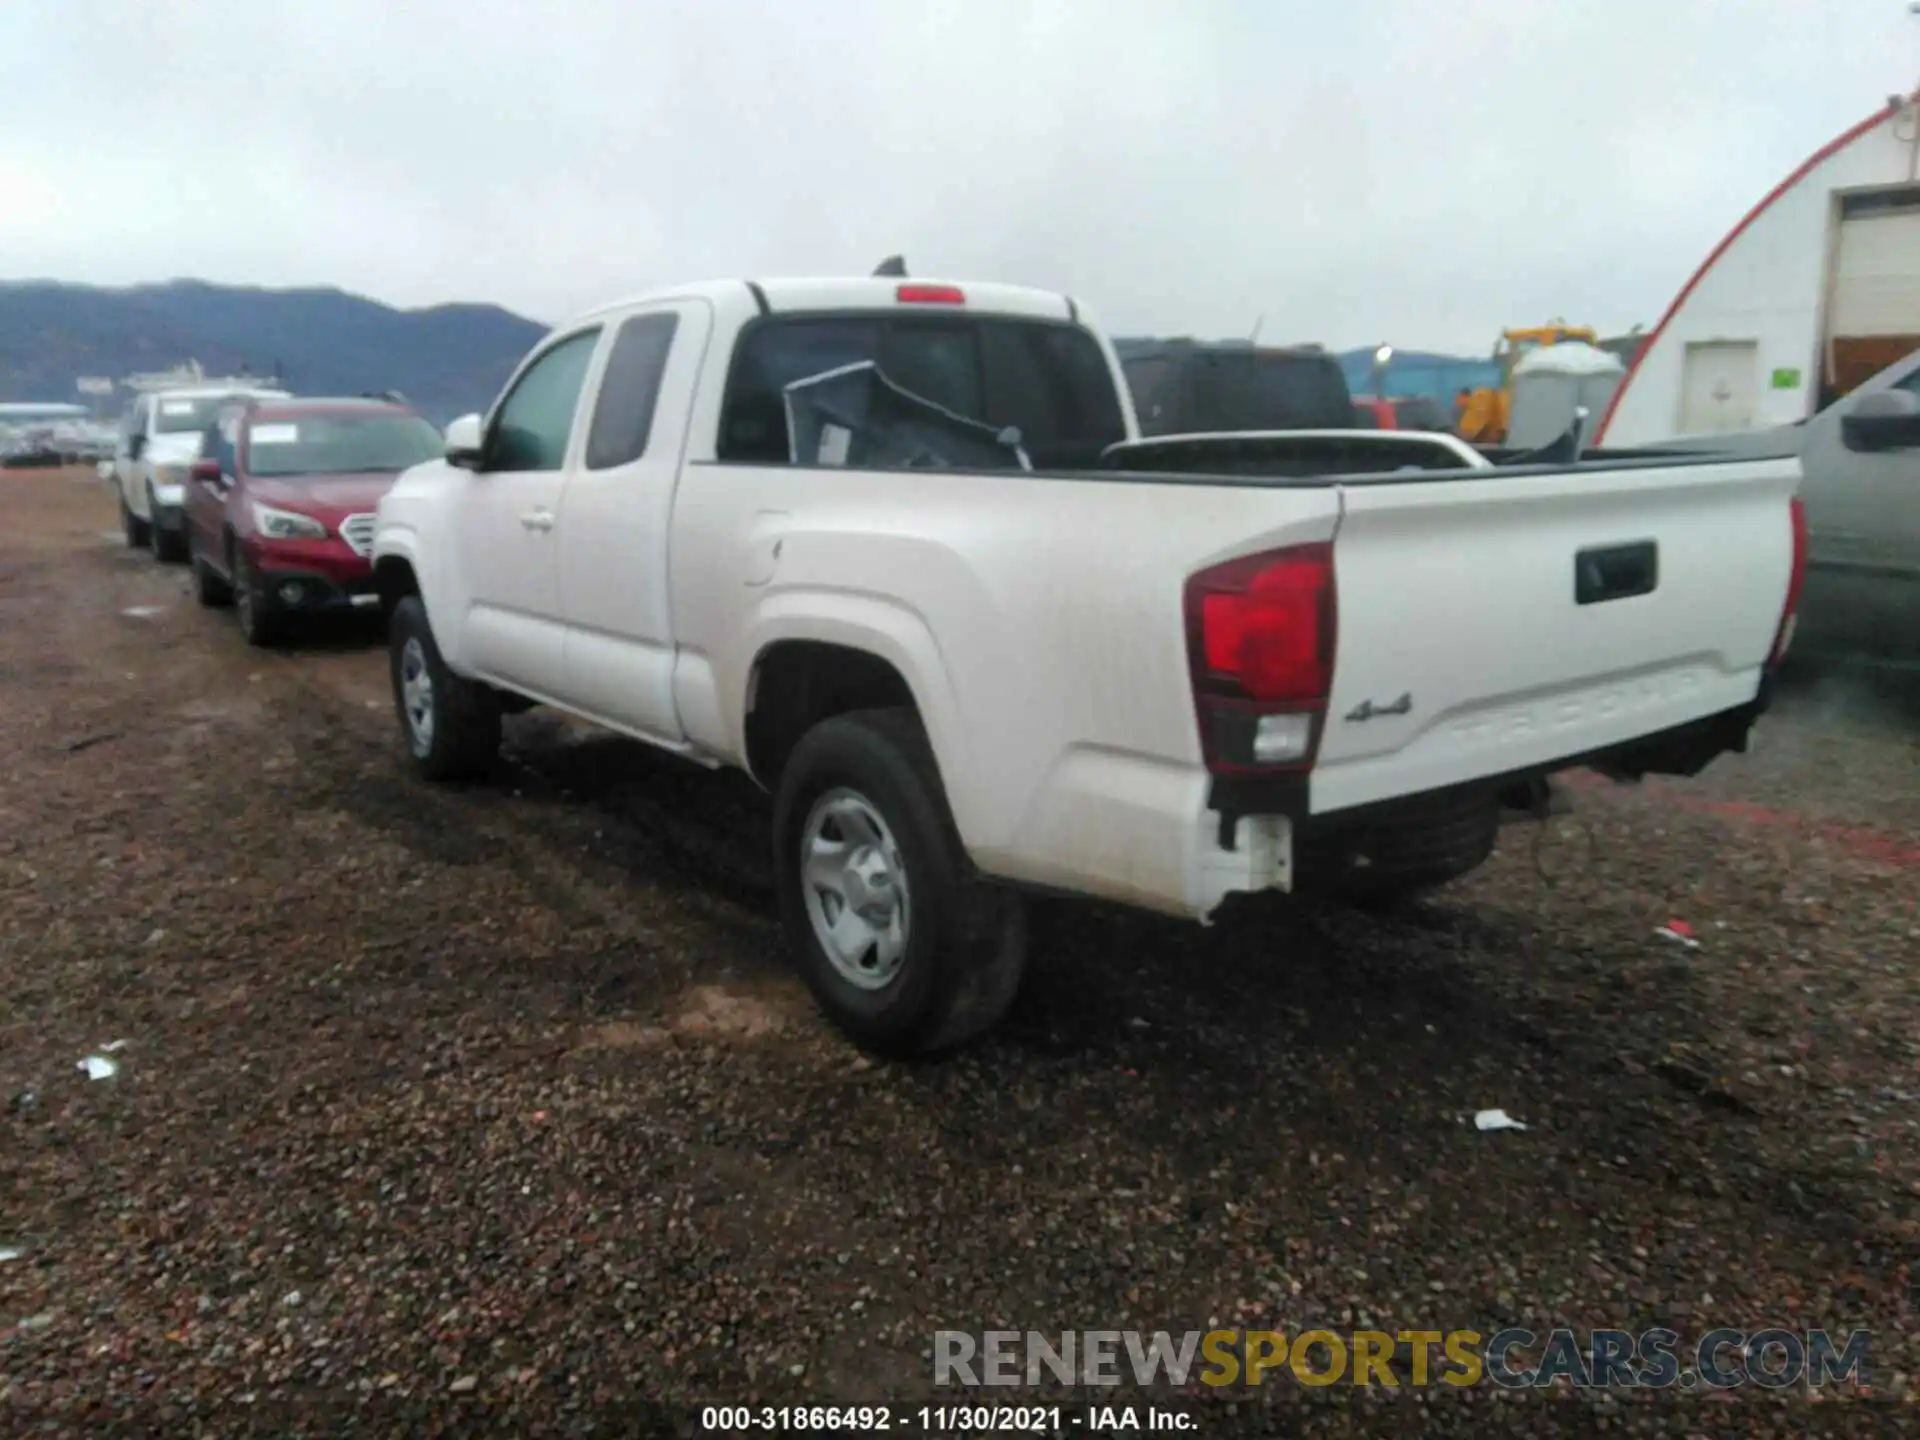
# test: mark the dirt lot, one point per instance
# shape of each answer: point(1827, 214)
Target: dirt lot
point(499, 1100)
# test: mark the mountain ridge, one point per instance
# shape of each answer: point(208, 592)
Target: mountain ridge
point(447, 358)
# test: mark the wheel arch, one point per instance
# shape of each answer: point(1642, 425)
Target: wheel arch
point(394, 579)
point(823, 655)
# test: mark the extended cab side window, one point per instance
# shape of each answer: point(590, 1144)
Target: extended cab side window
point(629, 390)
point(535, 421)
point(136, 426)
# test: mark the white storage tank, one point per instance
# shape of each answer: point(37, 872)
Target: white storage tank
point(1554, 381)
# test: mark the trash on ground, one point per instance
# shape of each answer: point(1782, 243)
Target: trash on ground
point(1680, 932)
point(141, 612)
point(98, 1067)
point(11, 1252)
point(112, 1046)
point(1496, 1120)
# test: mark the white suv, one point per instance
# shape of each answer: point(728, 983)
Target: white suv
point(159, 439)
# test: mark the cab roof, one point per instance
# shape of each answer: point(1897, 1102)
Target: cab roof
point(866, 292)
point(218, 392)
point(304, 404)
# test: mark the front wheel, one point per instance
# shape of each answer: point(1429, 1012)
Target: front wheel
point(451, 725)
point(164, 543)
point(208, 588)
point(134, 527)
point(261, 623)
point(905, 951)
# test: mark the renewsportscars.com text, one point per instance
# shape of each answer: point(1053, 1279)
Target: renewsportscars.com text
point(1722, 1359)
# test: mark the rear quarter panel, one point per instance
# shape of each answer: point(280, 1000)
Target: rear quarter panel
point(1038, 622)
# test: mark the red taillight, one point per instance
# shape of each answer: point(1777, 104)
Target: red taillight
point(1784, 635)
point(930, 295)
point(1260, 640)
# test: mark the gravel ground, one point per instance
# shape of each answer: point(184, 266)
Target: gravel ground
point(497, 1103)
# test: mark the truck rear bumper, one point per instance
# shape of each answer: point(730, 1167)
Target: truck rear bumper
point(1684, 749)
point(1173, 840)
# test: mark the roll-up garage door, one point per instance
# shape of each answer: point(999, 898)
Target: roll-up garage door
point(1874, 314)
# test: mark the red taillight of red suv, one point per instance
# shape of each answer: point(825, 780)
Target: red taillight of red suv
point(1783, 637)
point(1260, 643)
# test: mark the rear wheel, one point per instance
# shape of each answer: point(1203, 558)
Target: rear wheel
point(905, 952)
point(451, 725)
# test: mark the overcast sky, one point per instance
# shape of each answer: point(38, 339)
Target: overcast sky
point(1419, 171)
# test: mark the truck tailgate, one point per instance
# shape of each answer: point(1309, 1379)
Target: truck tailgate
point(1497, 624)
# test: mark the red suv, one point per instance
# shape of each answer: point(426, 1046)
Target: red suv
point(280, 506)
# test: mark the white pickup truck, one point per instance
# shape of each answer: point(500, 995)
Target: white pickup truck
point(862, 539)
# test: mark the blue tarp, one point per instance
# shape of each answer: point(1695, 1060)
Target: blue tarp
point(1439, 377)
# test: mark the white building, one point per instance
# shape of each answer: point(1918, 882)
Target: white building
point(1816, 290)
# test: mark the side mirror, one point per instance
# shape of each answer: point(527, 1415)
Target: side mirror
point(207, 472)
point(463, 442)
point(1885, 420)
point(135, 444)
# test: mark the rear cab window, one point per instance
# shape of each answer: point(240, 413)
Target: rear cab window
point(1048, 379)
point(1151, 379)
point(1268, 390)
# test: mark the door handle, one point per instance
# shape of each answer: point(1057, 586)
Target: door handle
point(537, 519)
point(1617, 572)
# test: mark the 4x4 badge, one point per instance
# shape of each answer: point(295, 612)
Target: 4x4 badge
point(1366, 709)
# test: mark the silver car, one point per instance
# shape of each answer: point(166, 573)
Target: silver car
point(1861, 458)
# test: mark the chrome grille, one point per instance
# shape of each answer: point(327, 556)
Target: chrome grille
point(357, 531)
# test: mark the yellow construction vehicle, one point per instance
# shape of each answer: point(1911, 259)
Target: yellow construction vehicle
point(1483, 416)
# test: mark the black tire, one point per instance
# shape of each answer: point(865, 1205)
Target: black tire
point(262, 623)
point(965, 941)
point(164, 543)
point(462, 737)
point(131, 524)
point(208, 588)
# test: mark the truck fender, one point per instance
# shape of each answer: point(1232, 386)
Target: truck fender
point(400, 541)
point(883, 628)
